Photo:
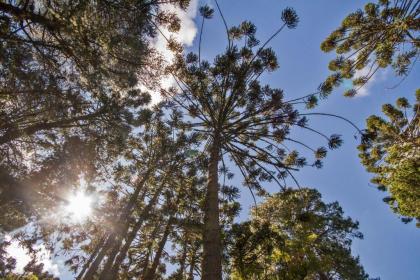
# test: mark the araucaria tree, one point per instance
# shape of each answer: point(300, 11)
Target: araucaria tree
point(380, 35)
point(391, 150)
point(238, 119)
point(73, 109)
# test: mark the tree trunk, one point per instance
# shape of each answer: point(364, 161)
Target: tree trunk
point(118, 240)
point(212, 250)
point(95, 265)
point(92, 256)
point(123, 252)
point(111, 241)
point(192, 263)
point(150, 273)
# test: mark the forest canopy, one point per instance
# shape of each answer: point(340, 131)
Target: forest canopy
point(127, 153)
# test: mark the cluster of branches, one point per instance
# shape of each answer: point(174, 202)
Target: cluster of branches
point(69, 90)
point(382, 34)
point(391, 150)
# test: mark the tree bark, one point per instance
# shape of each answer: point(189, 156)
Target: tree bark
point(212, 249)
point(150, 273)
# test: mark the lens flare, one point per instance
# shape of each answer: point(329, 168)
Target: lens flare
point(79, 206)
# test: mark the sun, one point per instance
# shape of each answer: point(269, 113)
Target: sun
point(79, 206)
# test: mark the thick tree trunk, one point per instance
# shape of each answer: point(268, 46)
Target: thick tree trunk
point(212, 249)
point(150, 273)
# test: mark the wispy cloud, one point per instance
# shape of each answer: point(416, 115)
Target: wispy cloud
point(377, 77)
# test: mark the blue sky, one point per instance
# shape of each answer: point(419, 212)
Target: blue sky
point(390, 249)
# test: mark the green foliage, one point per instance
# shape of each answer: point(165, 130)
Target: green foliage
point(240, 120)
point(380, 35)
point(294, 235)
point(206, 12)
point(69, 70)
point(70, 105)
point(227, 101)
point(391, 150)
point(156, 195)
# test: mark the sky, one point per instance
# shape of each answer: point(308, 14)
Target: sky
point(390, 249)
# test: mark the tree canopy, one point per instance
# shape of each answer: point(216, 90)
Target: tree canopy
point(381, 34)
point(390, 150)
point(70, 77)
point(116, 187)
point(295, 235)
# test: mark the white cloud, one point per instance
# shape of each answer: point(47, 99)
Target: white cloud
point(23, 257)
point(377, 77)
point(185, 36)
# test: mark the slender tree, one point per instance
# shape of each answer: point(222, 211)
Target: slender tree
point(240, 119)
point(158, 155)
